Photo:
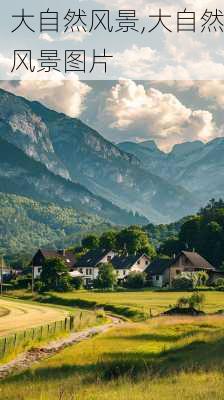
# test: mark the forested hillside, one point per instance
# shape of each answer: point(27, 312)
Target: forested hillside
point(26, 225)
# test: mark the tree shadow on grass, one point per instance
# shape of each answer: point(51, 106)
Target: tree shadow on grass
point(196, 356)
point(158, 337)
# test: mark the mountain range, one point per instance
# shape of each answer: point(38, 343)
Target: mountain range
point(49, 156)
point(196, 166)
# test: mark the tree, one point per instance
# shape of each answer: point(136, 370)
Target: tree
point(54, 274)
point(77, 282)
point(90, 242)
point(202, 278)
point(136, 280)
point(171, 246)
point(108, 240)
point(134, 240)
point(107, 277)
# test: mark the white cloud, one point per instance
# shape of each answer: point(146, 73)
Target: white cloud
point(60, 95)
point(136, 62)
point(212, 89)
point(144, 114)
point(77, 36)
point(46, 37)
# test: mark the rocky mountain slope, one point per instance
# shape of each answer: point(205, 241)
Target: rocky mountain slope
point(71, 149)
point(22, 175)
point(196, 166)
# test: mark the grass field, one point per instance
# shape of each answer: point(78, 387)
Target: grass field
point(147, 302)
point(162, 359)
point(18, 315)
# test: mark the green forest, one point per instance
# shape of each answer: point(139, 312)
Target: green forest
point(26, 225)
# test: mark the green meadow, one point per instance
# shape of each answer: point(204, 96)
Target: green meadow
point(161, 359)
point(148, 302)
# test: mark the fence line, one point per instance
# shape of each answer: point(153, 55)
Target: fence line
point(22, 339)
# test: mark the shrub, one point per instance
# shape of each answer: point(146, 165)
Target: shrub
point(219, 282)
point(136, 280)
point(183, 283)
point(77, 282)
point(196, 300)
point(64, 284)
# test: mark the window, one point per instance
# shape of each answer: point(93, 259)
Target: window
point(90, 271)
point(124, 273)
point(109, 258)
point(146, 262)
point(139, 262)
point(157, 277)
point(81, 270)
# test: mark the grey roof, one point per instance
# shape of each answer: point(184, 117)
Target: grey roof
point(125, 262)
point(158, 266)
point(92, 258)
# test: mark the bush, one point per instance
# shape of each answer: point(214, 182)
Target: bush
point(183, 283)
point(135, 280)
point(219, 282)
point(196, 301)
point(77, 282)
point(64, 284)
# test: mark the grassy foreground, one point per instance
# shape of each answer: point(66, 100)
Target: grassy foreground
point(165, 358)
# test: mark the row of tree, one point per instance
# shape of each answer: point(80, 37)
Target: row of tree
point(131, 240)
point(203, 232)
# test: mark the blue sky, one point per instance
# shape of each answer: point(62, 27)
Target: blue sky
point(163, 86)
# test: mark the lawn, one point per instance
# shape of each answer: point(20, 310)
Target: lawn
point(18, 315)
point(162, 359)
point(156, 301)
point(136, 305)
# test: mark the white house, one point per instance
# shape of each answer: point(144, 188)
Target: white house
point(88, 265)
point(126, 264)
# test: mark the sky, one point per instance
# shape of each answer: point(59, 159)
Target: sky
point(166, 87)
point(168, 112)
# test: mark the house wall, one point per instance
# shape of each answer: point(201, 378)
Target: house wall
point(180, 266)
point(141, 264)
point(91, 273)
point(37, 271)
point(157, 281)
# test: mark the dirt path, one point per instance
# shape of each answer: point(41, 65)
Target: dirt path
point(25, 360)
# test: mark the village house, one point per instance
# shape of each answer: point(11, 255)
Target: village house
point(88, 265)
point(162, 272)
point(126, 264)
point(42, 255)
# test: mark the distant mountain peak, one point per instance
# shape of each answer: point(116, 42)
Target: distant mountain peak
point(182, 149)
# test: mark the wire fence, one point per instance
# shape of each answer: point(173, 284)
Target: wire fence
point(22, 339)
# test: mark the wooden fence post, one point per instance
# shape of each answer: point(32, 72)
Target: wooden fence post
point(71, 322)
point(4, 346)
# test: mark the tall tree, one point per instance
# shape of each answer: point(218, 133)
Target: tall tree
point(134, 240)
point(107, 277)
